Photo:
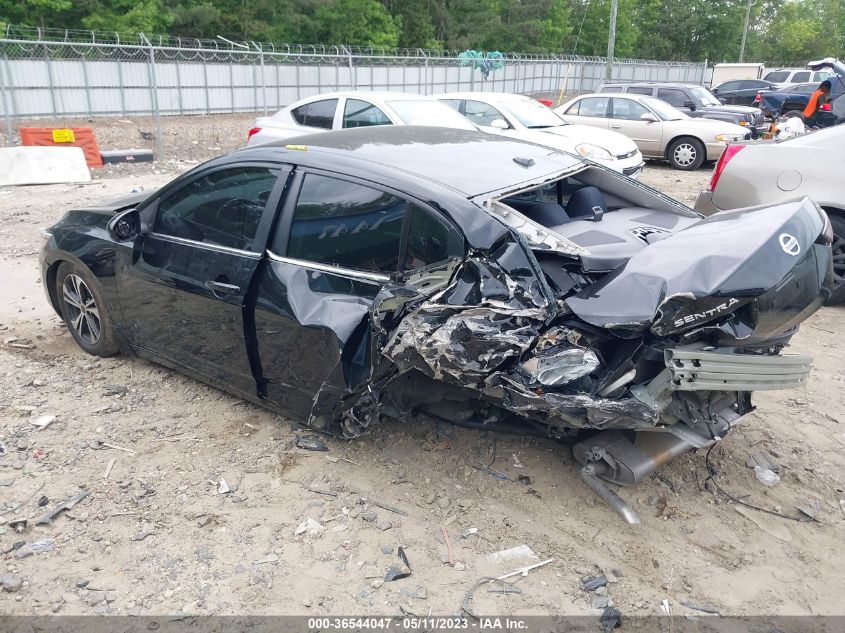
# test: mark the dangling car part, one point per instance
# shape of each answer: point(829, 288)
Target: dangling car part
point(452, 275)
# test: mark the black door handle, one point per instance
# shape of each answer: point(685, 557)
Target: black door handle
point(220, 288)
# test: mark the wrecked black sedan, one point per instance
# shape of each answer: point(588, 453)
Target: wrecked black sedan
point(454, 275)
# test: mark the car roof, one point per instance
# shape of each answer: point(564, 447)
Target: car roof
point(373, 94)
point(653, 84)
point(493, 96)
point(468, 162)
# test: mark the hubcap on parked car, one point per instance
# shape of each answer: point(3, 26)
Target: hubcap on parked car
point(685, 154)
point(82, 311)
point(838, 248)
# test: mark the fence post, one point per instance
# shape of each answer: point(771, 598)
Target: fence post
point(87, 86)
point(263, 78)
point(50, 81)
point(353, 72)
point(7, 101)
point(151, 68)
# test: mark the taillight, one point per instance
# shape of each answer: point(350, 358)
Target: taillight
point(730, 152)
point(825, 107)
point(757, 98)
point(254, 130)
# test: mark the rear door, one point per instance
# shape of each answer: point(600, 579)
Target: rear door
point(184, 290)
point(589, 111)
point(339, 241)
point(626, 118)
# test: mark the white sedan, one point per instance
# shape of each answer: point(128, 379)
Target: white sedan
point(342, 110)
point(527, 119)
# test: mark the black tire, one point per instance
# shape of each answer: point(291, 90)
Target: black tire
point(84, 310)
point(686, 153)
point(837, 221)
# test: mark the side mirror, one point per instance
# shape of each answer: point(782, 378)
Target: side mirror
point(500, 124)
point(689, 104)
point(715, 91)
point(125, 226)
point(648, 117)
point(722, 101)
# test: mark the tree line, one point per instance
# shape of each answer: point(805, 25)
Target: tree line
point(683, 30)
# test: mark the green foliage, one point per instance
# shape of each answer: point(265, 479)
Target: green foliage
point(691, 30)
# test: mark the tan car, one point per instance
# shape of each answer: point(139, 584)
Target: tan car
point(756, 173)
point(659, 130)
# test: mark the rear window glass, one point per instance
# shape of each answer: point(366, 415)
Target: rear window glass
point(594, 106)
point(431, 239)
point(347, 225)
point(801, 77)
point(777, 77)
point(641, 90)
point(317, 114)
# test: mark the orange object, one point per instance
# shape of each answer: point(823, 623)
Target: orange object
point(812, 103)
point(69, 137)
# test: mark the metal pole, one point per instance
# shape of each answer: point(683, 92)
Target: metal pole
point(154, 94)
point(87, 86)
point(611, 40)
point(50, 81)
point(745, 30)
point(10, 136)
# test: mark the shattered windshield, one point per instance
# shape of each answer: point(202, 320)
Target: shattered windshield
point(533, 114)
point(430, 113)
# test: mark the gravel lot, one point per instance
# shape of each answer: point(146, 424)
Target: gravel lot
point(154, 536)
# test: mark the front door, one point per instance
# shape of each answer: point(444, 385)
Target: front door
point(626, 118)
point(184, 291)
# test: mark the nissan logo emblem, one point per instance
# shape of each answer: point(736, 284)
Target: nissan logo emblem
point(789, 244)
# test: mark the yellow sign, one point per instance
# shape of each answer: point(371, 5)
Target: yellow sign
point(63, 136)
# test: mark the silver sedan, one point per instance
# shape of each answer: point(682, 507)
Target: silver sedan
point(755, 173)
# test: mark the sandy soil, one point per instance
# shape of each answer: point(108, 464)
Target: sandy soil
point(154, 535)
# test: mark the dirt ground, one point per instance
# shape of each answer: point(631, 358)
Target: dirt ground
point(154, 534)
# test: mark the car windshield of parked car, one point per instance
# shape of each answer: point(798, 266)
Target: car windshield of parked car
point(430, 113)
point(704, 95)
point(777, 76)
point(533, 114)
point(663, 109)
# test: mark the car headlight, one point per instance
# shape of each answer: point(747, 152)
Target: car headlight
point(45, 236)
point(588, 150)
point(729, 138)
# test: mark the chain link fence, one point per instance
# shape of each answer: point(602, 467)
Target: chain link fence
point(64, 77)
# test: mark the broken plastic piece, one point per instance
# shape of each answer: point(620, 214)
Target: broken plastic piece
point(311, 443)
point(397, 572)
point(66, 505)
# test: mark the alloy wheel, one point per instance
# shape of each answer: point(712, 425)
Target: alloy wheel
point(838, 248)
point(685, 154)
point(83, 314)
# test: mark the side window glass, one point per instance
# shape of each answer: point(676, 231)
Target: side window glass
point(358, 113)
point(481, 113)
point(673, 96)
point(610, 89)
point(800, 77)
point(729, 85)
point(573, 109)
point(321, 114)
point(222, 208)
point(453, 103)
point(431, 239)
point(640, 90)
point(627, 110)
point(594, 106)
point(300, 114)
point(347, 225)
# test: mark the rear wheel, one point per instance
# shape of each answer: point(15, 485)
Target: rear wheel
point(686, 153)
point(84, 310)
point(838, 248)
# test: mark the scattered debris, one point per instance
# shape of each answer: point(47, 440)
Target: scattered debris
point(397, 572)
point(766, 477)
point(466, 605)
point(309, 527)
point(763, 460)
point(109, 467)
point(610, 619)
point(507, 555)
point(666, 607)
point(10, 582)
point(593, 583)
point(504, 589)
point(66, 505)
point(3, 449)
point(102, 444)
point(140, 536)
point(328, 493)
point(43, 501)
point(525, 479)
point(311, 443)
point(389, 508)
point(44, 421)
point(812, 507)
point(369, 516)
point(704, 608)
point(446, 540)
point(42, 545)
point(223, 487)
point(18, 525)
point(272, 558)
